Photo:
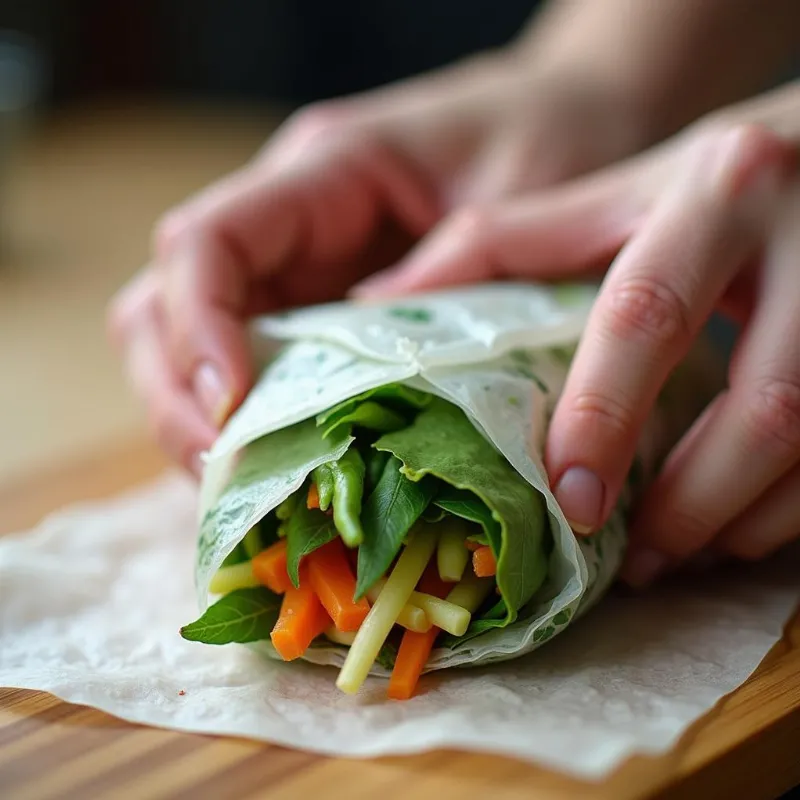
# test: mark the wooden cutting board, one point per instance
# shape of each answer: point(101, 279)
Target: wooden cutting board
point(748, 746)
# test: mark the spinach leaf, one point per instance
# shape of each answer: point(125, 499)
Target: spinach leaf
point(307, 530)
point(394, 395)
point(369, 415)
point(244, 615)
point(375, 462)
point(394, 506)
point(442, 442)
point(465, 504)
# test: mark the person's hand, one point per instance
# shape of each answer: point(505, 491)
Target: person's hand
point(709, 220)
point(341, 190)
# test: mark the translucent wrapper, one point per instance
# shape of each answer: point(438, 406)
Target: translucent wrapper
point(500, 353)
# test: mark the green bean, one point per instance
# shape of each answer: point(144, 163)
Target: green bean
point(287, 507)
point(348, 492)
point(323, 477)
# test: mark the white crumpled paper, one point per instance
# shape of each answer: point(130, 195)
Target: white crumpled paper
point(91, 602)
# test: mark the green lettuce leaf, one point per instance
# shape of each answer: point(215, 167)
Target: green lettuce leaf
point(308, 529)
point(443, 442)
point(394, 506)
point(371, 416)
point(395, 396)
point(244, 615)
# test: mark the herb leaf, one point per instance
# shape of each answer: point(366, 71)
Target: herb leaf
point(393, 507)
point(396, 396)
point(244, 615)
point(307, 530)
point(369, 415)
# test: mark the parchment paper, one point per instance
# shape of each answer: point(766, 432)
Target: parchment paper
point(91, 602)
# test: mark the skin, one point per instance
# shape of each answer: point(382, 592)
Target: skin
point(346, 188)
point(709, 220)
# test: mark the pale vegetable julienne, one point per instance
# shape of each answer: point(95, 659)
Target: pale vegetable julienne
point(343, 557)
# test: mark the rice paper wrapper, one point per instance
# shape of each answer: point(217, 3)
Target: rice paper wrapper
point(500, 353)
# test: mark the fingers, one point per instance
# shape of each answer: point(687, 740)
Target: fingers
point(173, 415)
point(242, 235)
point(565, 231)
point(658, 294)
point(746, 443)
point(770, 523)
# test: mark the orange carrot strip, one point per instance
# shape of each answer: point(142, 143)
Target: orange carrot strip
point(483, 562)
point(412, 655)
point(269, 567)
point(302, 618)
point(470, 545)
point(415, 648)
point(333, 581)
point(313, 497)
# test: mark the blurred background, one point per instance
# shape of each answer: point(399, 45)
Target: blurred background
point(112, 112)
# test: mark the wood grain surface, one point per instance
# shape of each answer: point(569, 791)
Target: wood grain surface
point(747, 747)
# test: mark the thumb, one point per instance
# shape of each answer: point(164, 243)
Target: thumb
point(554, 234)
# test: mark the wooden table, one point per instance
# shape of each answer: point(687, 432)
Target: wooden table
point(79, 219)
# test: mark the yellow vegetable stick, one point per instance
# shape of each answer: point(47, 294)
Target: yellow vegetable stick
point(471, 591)
point(452, 555)
point(236, 576)
point(340, 637)
point(382, 616)
point(449, 617)
point(411, 617)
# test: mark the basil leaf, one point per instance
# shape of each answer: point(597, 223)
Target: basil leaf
point(393, 507)
point(306, 531)
point(375, 463)
point(244, 615)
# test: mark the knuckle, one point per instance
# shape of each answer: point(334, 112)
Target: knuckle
point(167, 231)
point(316, 121)
point(773, 413)
point(648, 310)
point(599, 410)
point(749, 148)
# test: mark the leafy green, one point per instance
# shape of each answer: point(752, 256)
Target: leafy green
point(236, 556)
point(252, 542)
point(396, 396)
point(387, 655)
point(244, 615)
point(394, 506)
point(375, 462)
point(371, 416)
point(443, 442)
point(307, 530)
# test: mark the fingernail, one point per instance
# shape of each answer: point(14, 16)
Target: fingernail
point(643, 567)
point(580, 494)
point(214, 398)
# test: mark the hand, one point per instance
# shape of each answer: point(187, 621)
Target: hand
point(709, 220)
point(339, 192)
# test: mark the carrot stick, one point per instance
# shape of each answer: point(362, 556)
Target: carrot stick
point(333, 581)
point(302, 618)
point(471, 545)
point(415, 648)
point(269, 567)
point(412, 655)
point(313, 497)
point(483, 562)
